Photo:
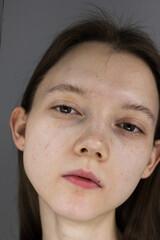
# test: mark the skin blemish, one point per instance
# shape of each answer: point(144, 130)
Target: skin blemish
point(46, 146)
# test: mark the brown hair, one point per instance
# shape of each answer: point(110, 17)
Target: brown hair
point(139, 217)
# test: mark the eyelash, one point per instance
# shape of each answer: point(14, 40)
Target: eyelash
point(67, 107)
point(132, 128)
point(127, 126)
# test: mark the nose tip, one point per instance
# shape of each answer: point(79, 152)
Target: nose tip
point(93, 147)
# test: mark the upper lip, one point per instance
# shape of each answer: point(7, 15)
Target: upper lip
point(85, 174)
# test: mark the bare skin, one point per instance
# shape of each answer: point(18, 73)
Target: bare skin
point(104, 118)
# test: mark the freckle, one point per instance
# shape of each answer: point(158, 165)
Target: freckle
point(78, 191)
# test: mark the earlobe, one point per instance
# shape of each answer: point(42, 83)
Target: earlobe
point(18, 124)
point(154, 160)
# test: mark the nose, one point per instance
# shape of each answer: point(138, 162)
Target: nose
point(93, 146)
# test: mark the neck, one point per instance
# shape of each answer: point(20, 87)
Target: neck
point(56, 227)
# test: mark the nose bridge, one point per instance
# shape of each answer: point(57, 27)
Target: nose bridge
point(94, 135)
point(92, 141)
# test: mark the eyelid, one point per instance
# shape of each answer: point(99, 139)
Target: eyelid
point(68, 103)
point(136, 127)
point(134, 122)
point(65, 105)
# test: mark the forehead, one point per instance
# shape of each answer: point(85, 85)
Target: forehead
point(99, 69)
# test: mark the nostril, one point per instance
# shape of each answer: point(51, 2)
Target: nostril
point(84, 150)
point(99, 154)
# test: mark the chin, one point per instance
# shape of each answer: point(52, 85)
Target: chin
point(74, 209)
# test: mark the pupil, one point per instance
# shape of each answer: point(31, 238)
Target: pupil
point(129, 127)
point(65, 109)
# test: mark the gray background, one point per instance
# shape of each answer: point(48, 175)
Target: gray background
point(28, 27)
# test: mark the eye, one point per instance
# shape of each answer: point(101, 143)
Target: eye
point(64, 109)
point(130, 127)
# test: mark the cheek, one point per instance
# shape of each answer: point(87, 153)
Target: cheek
point(127, 164)
point(43, 153)
point(132, 155)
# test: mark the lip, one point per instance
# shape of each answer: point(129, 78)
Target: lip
point(82, 178)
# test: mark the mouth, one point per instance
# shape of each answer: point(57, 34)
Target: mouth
point(83, 179)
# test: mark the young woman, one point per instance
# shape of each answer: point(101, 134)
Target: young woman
point(88, 137)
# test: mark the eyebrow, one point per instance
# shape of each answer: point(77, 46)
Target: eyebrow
point(67, 87)
point(140, 108)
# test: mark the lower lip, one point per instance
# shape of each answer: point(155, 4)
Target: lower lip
point(82, 182)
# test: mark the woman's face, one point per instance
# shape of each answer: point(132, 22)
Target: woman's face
point(106, 128)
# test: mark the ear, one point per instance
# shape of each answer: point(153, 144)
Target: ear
point(18, 124)
point(154, 160)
